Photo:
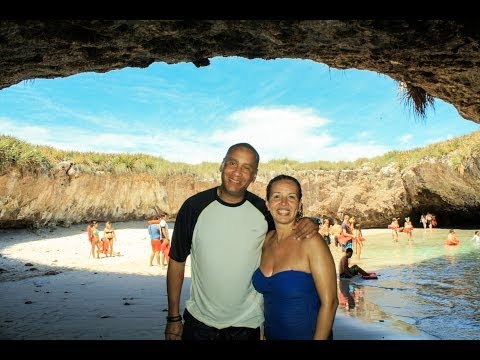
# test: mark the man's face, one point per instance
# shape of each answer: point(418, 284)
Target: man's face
point(238, 171)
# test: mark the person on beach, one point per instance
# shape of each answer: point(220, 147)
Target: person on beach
point(297, 278)
point(423, 221)
point(96, 242)
point(395, 227)
point(222, 229)
point(408, 228)
point(476, 238)
point(452, 238)
point(154, 231)
point(429, 218)
point(346, 236)
point(359, 239)
point(91, 238)
point(325, 231)
point(346, 272)
point(164, 239)
point(336, 230)
point(109, 238)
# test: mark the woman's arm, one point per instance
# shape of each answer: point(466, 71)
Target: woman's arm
point(322, 268)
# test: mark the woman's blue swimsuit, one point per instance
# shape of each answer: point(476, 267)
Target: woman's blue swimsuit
point(291, 304)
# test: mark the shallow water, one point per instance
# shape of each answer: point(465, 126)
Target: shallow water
point(432, 287)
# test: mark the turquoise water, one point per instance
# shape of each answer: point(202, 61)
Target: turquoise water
point(422, 285)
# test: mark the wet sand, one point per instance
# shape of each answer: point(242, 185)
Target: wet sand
point(52, 289)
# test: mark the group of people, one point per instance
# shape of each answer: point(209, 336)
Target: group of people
point(101, 245)
point(428, 220)
point(259, 269)
point(349, 235)
point(407, 228)
point(157, 230)
point(253, 261)
point(452, 238)
point(159, 240)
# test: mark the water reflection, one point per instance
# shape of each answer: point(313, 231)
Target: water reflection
point(346, 296)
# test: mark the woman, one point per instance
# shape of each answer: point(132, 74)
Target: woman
point(109, 237)
point(296, 278)
point(359, 239)
point(96, 243)
point(408, 228)
point(395, 227)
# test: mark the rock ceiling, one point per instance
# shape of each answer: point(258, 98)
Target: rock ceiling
point(441, 57)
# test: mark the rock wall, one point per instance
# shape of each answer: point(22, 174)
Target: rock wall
point(373, 196)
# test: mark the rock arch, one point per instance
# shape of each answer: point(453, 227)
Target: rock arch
point(441, 57)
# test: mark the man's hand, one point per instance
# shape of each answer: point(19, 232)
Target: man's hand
point(174, 330)
point(305, 228)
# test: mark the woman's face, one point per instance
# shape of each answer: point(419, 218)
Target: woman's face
point(283, 202)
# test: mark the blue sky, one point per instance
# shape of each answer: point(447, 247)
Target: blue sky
point(286, 108)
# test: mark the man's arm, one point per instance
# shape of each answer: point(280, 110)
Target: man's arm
point(305, 228)
point(175, 276)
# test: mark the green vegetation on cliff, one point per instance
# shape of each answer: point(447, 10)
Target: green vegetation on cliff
point(36, 159)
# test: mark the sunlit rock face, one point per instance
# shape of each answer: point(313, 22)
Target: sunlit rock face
point(373, 196)
point(439, 56)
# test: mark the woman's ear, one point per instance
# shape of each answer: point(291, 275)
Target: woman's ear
point(300, 211)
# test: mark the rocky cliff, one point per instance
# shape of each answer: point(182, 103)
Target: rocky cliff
point(373, 195)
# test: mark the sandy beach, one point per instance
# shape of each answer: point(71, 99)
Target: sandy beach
point(52, 289)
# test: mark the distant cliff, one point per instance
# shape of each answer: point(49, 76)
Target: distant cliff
point(372, 194)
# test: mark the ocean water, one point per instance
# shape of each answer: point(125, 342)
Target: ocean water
point(423, 285)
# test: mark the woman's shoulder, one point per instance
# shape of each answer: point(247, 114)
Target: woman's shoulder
point(313, 241)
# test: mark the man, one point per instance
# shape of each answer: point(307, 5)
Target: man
point(346, 272)
point(222, 229)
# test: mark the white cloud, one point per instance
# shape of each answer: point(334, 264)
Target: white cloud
point(28, 133)
point(276, 132)
point(405, 139)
